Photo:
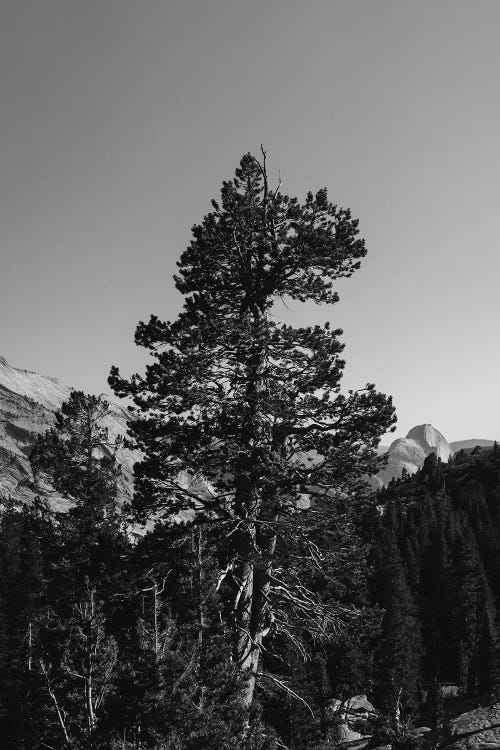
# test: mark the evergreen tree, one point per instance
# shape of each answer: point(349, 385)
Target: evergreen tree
point(76, 656)
point(468, 584)
point(250, 403)
point(437, 597)
point(489, 651)
point(22, 591)
point(398, 653)
point(432, 472)
point(79, 458)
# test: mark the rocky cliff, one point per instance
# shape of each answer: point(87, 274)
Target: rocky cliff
point(28, 401)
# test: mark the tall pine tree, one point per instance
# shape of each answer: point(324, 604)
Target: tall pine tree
point(255, 405)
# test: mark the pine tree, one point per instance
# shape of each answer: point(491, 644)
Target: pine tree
point(249, 402)
point(468, 583)
point(437, 596)
point(76, 655)
point(432, 472)
point(79, 458)
point(398, 654)
point(22, 591)
point(488, 658)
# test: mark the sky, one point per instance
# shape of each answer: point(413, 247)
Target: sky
point(119, 120)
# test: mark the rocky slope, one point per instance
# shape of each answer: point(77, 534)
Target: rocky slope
point(475, 730)
point(27, 404)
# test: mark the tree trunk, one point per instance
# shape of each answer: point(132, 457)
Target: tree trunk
point(202, 621)
point(253, 584)
point(89, 667)
point(247, 647)
point(252, 619)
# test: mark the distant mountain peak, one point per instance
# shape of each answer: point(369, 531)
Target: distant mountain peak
point(431, 441)
point(409, 453)
point(421, 430)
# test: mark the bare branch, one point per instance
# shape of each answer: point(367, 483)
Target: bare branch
point(287, 689)
point(53, 697)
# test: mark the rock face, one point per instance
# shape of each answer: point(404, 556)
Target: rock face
point(28, 401)
point(431, 441)
point(409, 453)
point(476, 730)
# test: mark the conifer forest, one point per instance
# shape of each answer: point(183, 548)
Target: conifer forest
point(255, 583)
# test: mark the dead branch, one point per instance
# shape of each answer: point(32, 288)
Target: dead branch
point(287, 689)
point(53, 697)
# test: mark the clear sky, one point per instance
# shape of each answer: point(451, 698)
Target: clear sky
point(120, 118)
